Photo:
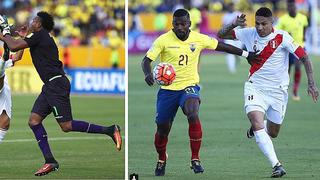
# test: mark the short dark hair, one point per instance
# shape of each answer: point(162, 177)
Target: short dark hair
point(264, 11)
point(181, 13)
point(46, 20)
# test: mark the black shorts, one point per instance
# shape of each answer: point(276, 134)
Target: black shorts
point(54, 97)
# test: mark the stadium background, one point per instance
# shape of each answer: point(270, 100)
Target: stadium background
point(90, 37)
point(226, 152)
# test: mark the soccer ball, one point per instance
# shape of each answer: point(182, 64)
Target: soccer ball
point(164, 74)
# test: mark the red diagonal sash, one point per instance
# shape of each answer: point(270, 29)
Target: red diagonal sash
point(267, 51)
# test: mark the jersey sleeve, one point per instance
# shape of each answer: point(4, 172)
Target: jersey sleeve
point(209, 42)
point(241, 34)
point(33, 39)
point(293, 47)
point(155, 49)
point(305, 21)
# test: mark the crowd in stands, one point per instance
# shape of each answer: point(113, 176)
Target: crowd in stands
point(137, 6)
point(97, 23)
point(199, 10)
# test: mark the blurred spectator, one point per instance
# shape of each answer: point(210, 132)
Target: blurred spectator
point(115, 43)
point(228, 18)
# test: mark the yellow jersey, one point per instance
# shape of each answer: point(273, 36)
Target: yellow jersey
point(183, 55)
point(294, 26)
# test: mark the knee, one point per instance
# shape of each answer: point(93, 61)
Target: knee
point(193, 116)
point(5, 125)
point(66, 126)
point(34, 119)
point(66, 129)
point(33, 122)
point(163, 131)
point(273, 134)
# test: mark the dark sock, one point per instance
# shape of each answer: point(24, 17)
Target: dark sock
point(41, 136)
point(195, 135)
point(160, 142)
point(82, 126)
point(296, 83)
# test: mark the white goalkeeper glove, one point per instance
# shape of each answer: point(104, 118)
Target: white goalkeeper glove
point(4, 25)
point(5, 64)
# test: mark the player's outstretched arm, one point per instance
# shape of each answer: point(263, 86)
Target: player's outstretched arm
point(252, 57)
point(312, 88)
point(146, 68)
point(14, 44)
point(226, 31)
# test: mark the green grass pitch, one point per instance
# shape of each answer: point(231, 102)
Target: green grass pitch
point(81, 155)
point(226, 153)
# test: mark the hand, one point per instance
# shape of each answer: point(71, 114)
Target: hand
point(4, 25)
point(253, 58)
point(240, 21)
point(149, 79)
point(313, 91)
point(23, 31)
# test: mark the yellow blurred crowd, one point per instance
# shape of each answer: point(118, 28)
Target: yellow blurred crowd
point(99, 23)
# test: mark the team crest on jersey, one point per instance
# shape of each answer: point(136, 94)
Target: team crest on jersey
point(274, 44)
point(192, 47)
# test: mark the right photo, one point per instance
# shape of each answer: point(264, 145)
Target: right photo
point(223, 89)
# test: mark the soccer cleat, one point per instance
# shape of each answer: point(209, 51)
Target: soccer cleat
point(116, 137)
point(196, 166)
point(47, 168)
point(278, 171)
point(160, 168)
point(250, 133)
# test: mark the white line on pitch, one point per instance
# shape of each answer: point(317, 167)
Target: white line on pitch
point(56, 139)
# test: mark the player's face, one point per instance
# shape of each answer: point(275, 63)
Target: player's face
point(291, 9)
point(35, 24)
point(181, 26)
point(263, 25)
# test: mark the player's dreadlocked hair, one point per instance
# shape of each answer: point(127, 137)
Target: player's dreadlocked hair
point(46, 20)
point(264, 11)
point(181, 13)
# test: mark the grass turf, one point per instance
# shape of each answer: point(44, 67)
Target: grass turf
point(81, 155)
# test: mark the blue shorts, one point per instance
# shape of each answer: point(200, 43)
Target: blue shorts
point(168, 102)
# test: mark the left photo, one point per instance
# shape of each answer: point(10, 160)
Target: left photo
point(62, 89)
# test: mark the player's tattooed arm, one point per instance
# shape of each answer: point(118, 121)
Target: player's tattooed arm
point(226, 31)
point(146, 68)
point(312, 88)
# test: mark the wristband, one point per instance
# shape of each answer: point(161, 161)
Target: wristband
point(245, 54)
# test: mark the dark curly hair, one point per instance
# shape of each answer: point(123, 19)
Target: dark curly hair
point(264, 11)
point(46, 20)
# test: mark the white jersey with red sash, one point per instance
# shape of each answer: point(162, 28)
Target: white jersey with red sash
point(274, 49)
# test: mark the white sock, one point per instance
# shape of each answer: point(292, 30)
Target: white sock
point(2, 134)
point(231, 62)
point(266, 146)
point(2, 67)
point(265, 125)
